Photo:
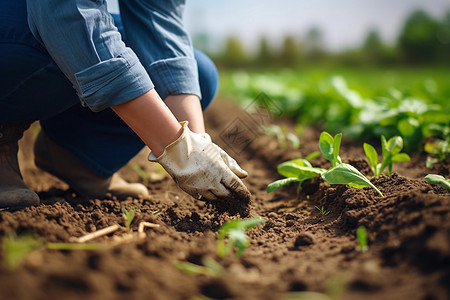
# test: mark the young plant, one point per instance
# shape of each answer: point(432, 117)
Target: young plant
point(296, 170)
point(128, 216)
point(329, 147)
point(438, 179)
point(322, 210)
point(390, 152)
point(210, 267)
point(361, 236)
point(237, 236)
point(16, 248)
point(299, 170)
point(282, 136)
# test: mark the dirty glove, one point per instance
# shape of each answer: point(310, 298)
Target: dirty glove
point(201, 168)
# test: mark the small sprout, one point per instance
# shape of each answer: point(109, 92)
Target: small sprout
point(299, 170)
point(390, 152)
point(438, 179)
point(210, 267)
point(236, 233)
point(16, 248)
point(361, 236)
point(322, 210)
point(141, 172)
point(329, 147)
point(282, 136)
point(128, 216)
point(296, 170)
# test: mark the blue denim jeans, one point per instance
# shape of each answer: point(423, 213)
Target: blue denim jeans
point(35, 86)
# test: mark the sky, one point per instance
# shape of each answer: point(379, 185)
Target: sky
point(344, 23)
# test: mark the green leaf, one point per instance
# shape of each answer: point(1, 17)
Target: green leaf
point(312, 155)
point(289, 169)
point(336, 147)
point(326, 145)
point(384, 147)
point(400, 157)
point(394, 145)
point(372, 156)
point(438, 179)
point(279, 183)
point(300, 162)
point(361, 236)
point(347, 174)
point(294, 140)
point(16, 248)
point(252, 222)
point(235, 230)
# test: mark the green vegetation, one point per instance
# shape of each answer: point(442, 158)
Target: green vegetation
point(210, 267)
point(283, 136)
point(322, 210)
point(391, 153)
point(299, 170)
point(16, 248)
point(362, 103)
point(128, 216)
point(361, 236)
point(438, 179)
point(237, 237)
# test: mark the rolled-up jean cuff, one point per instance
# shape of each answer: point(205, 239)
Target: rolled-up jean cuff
point(175, 76)
point(112, 82)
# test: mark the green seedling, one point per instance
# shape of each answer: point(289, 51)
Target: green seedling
point(210, 267)
point(361, 236)
point(391, 153)
point(296, 170)
point(299, 170)
point(282, 136)
point(438, 179)
point(16, 248)
point(330, 146)
point(322, 210)
point(141, 172)
point(128, 216)
point(439, 148)
point(237, 236)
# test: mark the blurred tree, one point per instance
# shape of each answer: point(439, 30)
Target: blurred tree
point(443, 37)
point(234, 55)
point(290, 51)
point(315, 49)
point(373, 46)
point(418, 41)
point(264, 56)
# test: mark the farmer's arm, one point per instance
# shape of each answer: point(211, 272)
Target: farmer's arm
point(166, 53)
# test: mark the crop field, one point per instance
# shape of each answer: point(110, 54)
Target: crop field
point(349, 175)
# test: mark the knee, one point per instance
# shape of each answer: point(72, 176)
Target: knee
point(208, 77)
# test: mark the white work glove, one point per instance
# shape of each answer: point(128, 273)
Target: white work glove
point(201, 168)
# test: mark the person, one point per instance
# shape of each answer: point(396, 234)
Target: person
point(101, 95)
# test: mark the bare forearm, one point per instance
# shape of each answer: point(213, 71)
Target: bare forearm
point(187, 108)
point(151, 120)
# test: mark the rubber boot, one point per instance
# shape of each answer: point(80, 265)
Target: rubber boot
point(57, 161)
point(13, 191)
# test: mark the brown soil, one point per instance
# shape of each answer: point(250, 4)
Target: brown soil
point(297, 249)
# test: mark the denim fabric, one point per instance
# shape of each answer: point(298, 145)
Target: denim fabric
point(32, 87)
point(81, 38)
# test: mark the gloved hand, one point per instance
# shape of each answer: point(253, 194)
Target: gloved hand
point(201, 168)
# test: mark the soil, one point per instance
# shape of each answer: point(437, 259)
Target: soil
point(297, 249)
